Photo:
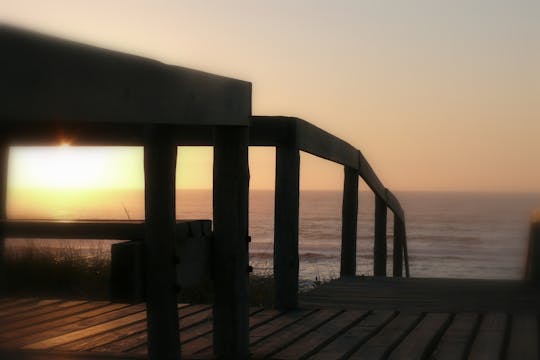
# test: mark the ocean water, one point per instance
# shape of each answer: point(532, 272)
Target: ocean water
point(457, 235)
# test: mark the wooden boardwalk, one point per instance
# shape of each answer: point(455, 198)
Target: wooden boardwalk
point(356, 318)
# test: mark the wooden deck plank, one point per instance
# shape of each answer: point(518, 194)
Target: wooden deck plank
point(349, 341)
point(64, 326)
point(457, 338)
point(384, 342)
point(424, 294)
point(92, 330)
point(12, 302)
point(22, 307)
point(126, 332)
point(186, 336)
point(47, 307)
point(15, 336)
point(257, 315)
point(488, 343)
point(205, 341)
point(261, 325)
point(391, 329)
point(311, 343)
point(60, 312)
point(420, 341)
point(523, 344)
point(187, 317)
point(286, 336)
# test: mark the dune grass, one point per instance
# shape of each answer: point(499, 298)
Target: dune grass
point(68, 272)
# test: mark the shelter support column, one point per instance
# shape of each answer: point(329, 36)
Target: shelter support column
point(349, 222)
point(160, 219)
point(286, 213)
point(230, 265)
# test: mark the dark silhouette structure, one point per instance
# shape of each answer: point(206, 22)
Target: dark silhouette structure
point(53, 90)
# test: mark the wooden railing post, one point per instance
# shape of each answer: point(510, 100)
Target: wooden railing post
point(160, 221)
point(230, 266)
point(405, 250)
point(349, 221)
point(532, 269)
point(397, 269)
point(287, 197)
point(379, 247)
point(4, 158)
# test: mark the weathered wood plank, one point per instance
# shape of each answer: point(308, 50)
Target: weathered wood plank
point(380, 345)
point(524, 340)
point(201, 346)
point(160, 219)
point(279, 340)
point(230, 260)
point(457, 338)
point(43, 306)
point(353, 338)
point(124, 338)
point(379, 245)
point(424, 294)
point(315, 340)
point(23, 307)
point(92, 330)
point(67, 308)
point(349, 222)
point(257, 315)
point(64, 325)
point(420, 341)
point(488, 343)
point(84, 84)
point(286, 215)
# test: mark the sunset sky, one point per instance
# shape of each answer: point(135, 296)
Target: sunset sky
point(439, 96)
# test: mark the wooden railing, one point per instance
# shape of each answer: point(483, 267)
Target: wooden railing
point(290, 136)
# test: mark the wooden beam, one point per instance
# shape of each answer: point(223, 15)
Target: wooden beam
point(45, 79)
point(80, 229)
point(318, 142)
point(85, 229)
point(379, 247)
point(286, 213)
point(160, 216)
point(399, 233)
point(284, 131)
point(349, 222)
point(231, 182)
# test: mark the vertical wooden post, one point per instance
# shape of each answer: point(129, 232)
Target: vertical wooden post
point(286, 212)
point(160, 215)
point(349, 221)
point(405, 250)
point(4, 159)
point(230, 266)
point(532, 269)
point(397, 269)
point(379, 248)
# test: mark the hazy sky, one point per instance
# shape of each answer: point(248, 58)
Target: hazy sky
point(437, 95)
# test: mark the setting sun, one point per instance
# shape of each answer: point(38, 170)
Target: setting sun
point(69, 167)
